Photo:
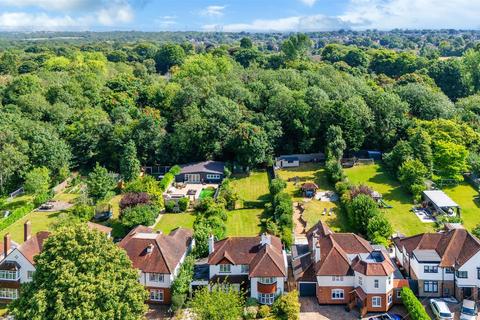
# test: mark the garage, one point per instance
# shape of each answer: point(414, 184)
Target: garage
point(307, 289)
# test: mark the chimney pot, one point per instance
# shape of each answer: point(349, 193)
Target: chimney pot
point(27, 230)
point(6, 244)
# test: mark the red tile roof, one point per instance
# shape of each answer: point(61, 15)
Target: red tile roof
point(33, 246)
point(455, 247)
point(166, 250)
point(264, 260)
point(99, 227)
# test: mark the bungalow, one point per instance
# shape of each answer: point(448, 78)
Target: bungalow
point(16, 263)
point(158, 258)
point(443, 264)
point(256, 264)
point(201, 172)
point(294, 160)
point(343, 268)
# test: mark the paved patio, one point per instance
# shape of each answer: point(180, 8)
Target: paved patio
point(190, 190)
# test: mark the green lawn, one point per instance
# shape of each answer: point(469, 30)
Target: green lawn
point(66, 197)
point(17, 202)
point(463, 195)
point(305, 172)
point(253, 187)
point(313, 213)
point(207, 193)
point(244, 222)
point(41, 221)
point(400, 216)
point(170, 221)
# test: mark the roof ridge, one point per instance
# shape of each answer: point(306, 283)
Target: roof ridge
point(267, 253)
point(454, 236)
point(161, 253)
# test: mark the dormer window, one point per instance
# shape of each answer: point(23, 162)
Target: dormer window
point(225, 268)
point(149, 248)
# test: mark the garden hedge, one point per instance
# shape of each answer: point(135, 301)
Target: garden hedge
point(16, 215)
point(416, 310)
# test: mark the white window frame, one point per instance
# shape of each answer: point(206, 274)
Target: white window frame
point(9, 275)
point(157, 295)
point(399, 294)
point(462, 273)
point(267, 280)
point(390, 298)
point(245, 268)
point(376, 283)
point(430, 286)
point(390, 280)
point(376, 302)
point(338, 294)
point(360, 281)
point(188, 177)
point(337, 278)
point(266, 298)
point(156, 277)
point(430, 269)
point(211, 176)
point(8, 293)
point(30, 274)
point(225, 268)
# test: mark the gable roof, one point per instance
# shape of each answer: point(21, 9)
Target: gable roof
point(33, 246)
point(166, 250)
point(343, 253)
point(215, 167)
point(264, 260)
point(99, 227)
point(454, 247)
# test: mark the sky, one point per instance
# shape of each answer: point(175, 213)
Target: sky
point(237, 15)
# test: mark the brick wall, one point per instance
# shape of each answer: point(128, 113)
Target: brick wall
point(324, 295)
point(167, 296)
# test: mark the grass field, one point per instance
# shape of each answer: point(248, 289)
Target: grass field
point(253, 187)
point(313, 213)
point(244, 222)
point(207, 193)
point(41, 221)
point(170, 221)
point(66, 197)
point(399, 216)
point(306, 172)
point(463, 195)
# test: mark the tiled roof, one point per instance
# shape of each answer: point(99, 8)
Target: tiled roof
point(264, 260)
point(166, 250)
point(215, 167)
point(33, 246)
point(99, 227)
point(455, 247)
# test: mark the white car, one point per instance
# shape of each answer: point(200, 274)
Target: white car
point(440, 310)
point(469, 310)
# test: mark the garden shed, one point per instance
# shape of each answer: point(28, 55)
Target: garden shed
point(438, 201)
point(309, 189)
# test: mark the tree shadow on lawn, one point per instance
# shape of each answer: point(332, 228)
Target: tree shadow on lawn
point(14, 205)
point(395, 192)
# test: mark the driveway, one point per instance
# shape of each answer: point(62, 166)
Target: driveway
point(311, 310)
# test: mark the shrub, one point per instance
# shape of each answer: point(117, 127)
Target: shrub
point(264, 311)
point(15, 215)
point(170, 206)
point(139, 215)
point(84, 212)
point(251, 302)
point(181, 284)
point(250, 312)
point(37, 181)
point(413, 305)
point(276, 186)
point(132, 199)
point(342, 187)
point(41, 198)
point(287, 306)
point(183, 204)
point(178, 300)
point(149, 185)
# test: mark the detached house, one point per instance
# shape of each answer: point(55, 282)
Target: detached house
point(255, 264)
point(443, 264)
point(201, 172)
point(343, 268)
point(158, 258)
point(16, 263)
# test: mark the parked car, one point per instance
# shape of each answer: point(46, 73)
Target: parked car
point(440, 310)
point(103, 216)
point(469, 310)
point(47, 206)
point(386, 316)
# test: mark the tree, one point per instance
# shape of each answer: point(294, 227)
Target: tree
point(141, 214)
point(287, 306)
point(129, 163)
point(412, 174)
point(246, 43)
point(77, 264)
point(12, 162)
point(421, 142)
point(277, 185)
point(296, 46)
point(218, 303)
point(99, 183)
point(132, 199)
point(251, 145)
point(379, 229)
point(37, 181)
point(360, 210)
point(399, 154)
point(335, 143)
point(450, 160)
point(83, 212)
point(169, 55)
point(452, 77)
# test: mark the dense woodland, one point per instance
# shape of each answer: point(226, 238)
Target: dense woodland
point(69, 104)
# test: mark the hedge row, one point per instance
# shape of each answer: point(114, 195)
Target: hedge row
point(415, 309)
point(15, 215)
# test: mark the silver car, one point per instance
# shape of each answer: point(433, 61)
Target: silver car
point(469, 310)
point(440, 310)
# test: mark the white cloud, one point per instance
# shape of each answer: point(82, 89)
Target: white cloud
point(309, 3)
point(108, 13)
point(295, 23)
point(166, 22)
point(213, 11)
point(411, 14)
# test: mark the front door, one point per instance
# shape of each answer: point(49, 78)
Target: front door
point(192, 178)
point(467, 293)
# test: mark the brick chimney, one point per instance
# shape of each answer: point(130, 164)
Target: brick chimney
point(27, 230)
point(6, 244)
